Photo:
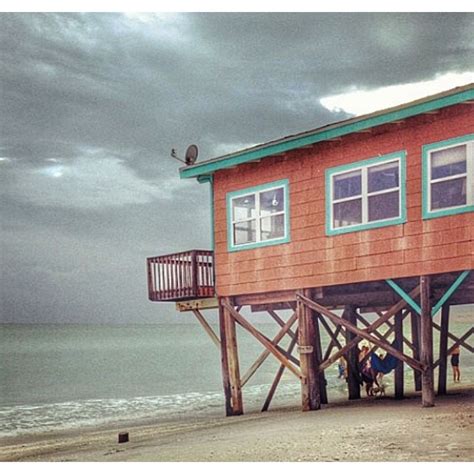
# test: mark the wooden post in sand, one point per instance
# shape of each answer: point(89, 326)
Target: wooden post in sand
point(443, 350)
point(399, 380)
point(310, 387)
point(415, 339)
point(319, 357)
point(352, 357)
point(230, 363)
point(426, 352)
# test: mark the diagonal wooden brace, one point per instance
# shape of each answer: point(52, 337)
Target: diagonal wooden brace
point(456, 344)
point(262, 338)
point(360, 333)
point(263, 356)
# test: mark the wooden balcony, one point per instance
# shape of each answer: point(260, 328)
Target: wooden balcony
point(181, 276)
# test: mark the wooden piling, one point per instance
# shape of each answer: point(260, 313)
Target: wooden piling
point(415, 335)
point(319, 357)
point(230, 363)
point(352, 356)
point(399, 369)
point(443, 350)
point(310, 386)
point(426, 349)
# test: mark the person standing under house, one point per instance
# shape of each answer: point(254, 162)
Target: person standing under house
point(455, 364)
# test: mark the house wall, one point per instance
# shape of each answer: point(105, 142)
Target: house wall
point(312, 259)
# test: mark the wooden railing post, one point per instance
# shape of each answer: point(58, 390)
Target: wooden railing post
point(426, 352)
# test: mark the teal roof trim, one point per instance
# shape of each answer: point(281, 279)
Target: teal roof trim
point(200, 170)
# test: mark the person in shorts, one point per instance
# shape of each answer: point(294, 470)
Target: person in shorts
point(455, 364)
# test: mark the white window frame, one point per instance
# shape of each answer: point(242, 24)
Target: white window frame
point(363, 166)
point(256, 191)
point(469, 175)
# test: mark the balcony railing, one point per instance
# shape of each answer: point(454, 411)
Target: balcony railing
point(181, 276)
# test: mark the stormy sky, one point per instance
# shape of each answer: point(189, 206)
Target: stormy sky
point(93, 103)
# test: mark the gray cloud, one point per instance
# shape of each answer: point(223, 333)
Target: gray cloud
point(93, 103)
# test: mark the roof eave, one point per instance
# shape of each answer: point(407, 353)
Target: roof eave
point(207, 168)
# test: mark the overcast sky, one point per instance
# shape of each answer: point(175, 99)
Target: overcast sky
point(92, 104)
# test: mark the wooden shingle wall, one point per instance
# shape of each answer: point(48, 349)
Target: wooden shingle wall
point(312, 259)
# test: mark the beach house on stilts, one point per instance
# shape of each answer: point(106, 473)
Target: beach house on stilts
point(363, 229)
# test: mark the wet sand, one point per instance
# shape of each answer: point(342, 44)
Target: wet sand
point(363, 430)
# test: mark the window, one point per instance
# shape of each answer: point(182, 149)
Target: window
point(448, 177)
point(367, 194)
point(258, 216)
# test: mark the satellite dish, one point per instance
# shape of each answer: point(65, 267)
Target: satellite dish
point(191, 154)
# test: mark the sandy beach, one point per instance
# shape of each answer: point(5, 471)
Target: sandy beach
point(363, 430)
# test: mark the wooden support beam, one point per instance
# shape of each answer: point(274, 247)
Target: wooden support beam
point(363, 334)
point(263, 356)
point(456, 344)
point(230, 341)
point(310, 390)
point(399, 382)
point(225, 363)
point(332, 344)
point(203, 303)
point(443, 350)
point(207, 328)
point(388, 314)
point(265, 298)
point(426, 339)
point(455, 338)
point(331, 334)
point(319, 357)
point(262, 339)
point(415, 335)
point(352, 356)
point(280, 322)
point(278, 376)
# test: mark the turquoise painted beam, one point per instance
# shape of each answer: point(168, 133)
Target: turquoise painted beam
point(401, 292)
point(450, 291)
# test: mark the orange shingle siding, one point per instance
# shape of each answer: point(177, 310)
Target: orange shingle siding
point(312, 258)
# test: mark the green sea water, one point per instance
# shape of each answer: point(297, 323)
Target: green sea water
point(59, 376)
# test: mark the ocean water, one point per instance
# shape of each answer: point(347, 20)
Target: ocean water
point(55, 377)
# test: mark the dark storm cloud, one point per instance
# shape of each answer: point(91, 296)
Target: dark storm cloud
point(93, 103)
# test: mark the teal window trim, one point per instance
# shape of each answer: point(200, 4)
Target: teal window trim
point(284, 183)
point(405, 296)
point(211, 192)
point(426, 177)
point(330, 172)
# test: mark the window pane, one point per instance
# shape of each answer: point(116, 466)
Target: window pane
point(448, 162)
point(348, 213)
point(382, 177)
point(244, 232)
point(271, 201)
point(347, 184)
point(243, 207)
point(384, 206)
point(272, 227)
point(448, 193)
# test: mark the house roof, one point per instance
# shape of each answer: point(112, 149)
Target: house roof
point(204, 170)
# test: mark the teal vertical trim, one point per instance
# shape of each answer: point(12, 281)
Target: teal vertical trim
point(401, 219)
point(253, 190)
point(211, 183)
point(401, 292)
point(426, 149)
point(450, 291)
